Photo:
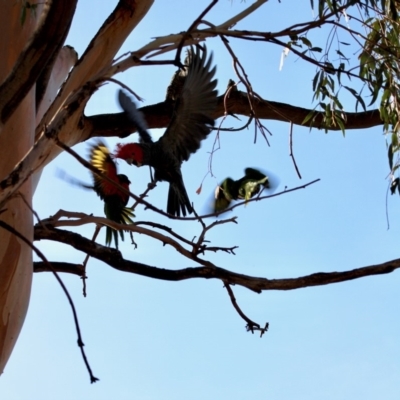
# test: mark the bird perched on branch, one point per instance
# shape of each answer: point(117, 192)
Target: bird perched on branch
point(243, 189)
point(115, 200)
point(191, 122)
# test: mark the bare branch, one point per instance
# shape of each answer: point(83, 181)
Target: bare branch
point(249, 10)
point(114, 259)
point(63, 267)
point(259, 198)
point(87, 219)
point(164, 44)
point(85, 261)
point(194, 24)
point(159, 115)
point(251, 325)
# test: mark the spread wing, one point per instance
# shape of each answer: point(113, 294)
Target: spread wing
point(100, 158)
point(135, 116)
point(193, 115)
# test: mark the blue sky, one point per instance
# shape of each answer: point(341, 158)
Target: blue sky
point(150, 339)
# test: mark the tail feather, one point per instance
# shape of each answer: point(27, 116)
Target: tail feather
point(178, 201)
point(124, 215)
point(112, 233)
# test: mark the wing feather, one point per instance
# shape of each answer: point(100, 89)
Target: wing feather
point(100, 158)
point(193, 118)
point(135, 116)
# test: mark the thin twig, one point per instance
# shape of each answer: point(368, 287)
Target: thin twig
point(251, 325)
point(245, 202)
point(64, 267)
point(246, 125)
point(386, 208)
point(85, 261)
point(199, 246)
point(291, 149)
point(199, 219)
point(29, 206)
point(243, 77)
point(229, 250)
point(86, 219)
point(126, 87)
point(194, 24)
point(164, 228)
point(231, 87)
point(150, 186)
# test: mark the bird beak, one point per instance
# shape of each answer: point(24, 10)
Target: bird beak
point(131, 161)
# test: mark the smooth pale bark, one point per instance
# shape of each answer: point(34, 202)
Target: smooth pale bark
point(15, 141)
point(64, 62)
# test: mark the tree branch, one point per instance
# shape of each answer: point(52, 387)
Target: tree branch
point(39, 52)
point(158, 116)
point(251, 325)
point(64, 267)
point(99, 54)
point(114, 259)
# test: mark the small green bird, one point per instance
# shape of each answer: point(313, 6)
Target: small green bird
point(115, 200)
point(243, 189)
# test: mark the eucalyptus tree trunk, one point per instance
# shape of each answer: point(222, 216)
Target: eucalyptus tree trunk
point(16, 138)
